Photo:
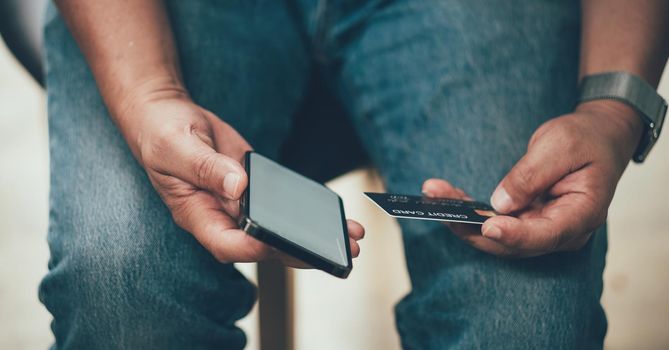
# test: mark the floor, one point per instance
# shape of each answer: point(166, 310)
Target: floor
point(358, 309)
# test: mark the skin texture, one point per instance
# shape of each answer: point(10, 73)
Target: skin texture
point(561, 189)
point(191, 156)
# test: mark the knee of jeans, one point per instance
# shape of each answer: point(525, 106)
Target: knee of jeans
point(107, 246)
point(131, 273)
point(129, 284)
point(101, 254)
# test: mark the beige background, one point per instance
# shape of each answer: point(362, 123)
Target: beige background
point(331, 313)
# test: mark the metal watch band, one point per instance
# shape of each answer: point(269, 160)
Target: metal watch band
point(635, 92)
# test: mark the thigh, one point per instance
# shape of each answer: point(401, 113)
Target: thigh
point(455, 89)
point(121, 273)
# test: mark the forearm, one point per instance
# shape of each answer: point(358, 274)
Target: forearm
point(623, 35)
point(129, 48)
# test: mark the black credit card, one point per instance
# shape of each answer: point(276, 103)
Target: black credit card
point(440, 209)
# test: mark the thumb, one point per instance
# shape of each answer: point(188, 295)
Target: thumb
point(217, 173)
point(197, 163)
point(534, 173)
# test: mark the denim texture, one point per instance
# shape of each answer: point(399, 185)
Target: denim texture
point(451, 89)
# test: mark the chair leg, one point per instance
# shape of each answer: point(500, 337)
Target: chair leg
point(275, 297)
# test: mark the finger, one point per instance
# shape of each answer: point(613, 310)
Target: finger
point(355, 230)
point(531, 234)
point(567, 219)
point(471, 234)
point(299, 264)
point(231, 207)
point(463, 195)
point(355, 247)
point(462, 230)
point(218, 232)
point(206, 153)
point(534, 173)
point(439, 188)
point(196, 162)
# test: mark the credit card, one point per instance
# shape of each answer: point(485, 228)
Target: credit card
point(439, 209)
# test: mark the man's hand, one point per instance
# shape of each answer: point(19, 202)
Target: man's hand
point(193, 160)
point(560, 191)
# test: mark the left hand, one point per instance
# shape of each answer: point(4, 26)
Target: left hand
point(560, 190)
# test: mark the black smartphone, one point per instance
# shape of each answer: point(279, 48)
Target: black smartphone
point(296, 215)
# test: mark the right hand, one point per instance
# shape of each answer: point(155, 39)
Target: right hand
point(193, 160)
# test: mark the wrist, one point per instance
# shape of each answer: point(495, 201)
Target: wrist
point(134, 111)
point(624, 122)
point(152, 89)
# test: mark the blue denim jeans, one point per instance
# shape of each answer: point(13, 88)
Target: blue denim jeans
point(448, 88)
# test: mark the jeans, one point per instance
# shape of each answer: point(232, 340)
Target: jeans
point(450, 88)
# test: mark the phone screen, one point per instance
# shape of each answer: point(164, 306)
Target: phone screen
point(296, 208)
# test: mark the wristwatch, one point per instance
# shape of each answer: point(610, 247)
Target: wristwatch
point(635, 92)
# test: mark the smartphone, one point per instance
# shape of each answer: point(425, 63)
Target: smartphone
point(296, 215)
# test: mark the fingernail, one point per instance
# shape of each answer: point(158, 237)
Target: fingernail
point(501, 201)
point(492, 231)
point(230, 183)
point(427, 194)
